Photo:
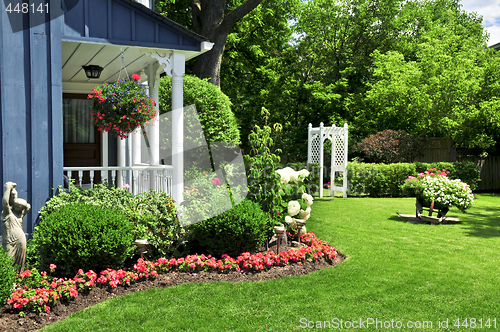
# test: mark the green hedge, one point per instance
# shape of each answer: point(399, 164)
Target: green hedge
point(387, 179)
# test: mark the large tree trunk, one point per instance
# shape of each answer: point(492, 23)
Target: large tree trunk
point(209, 21)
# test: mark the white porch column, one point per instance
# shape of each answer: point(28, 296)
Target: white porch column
point(121, 161)
point(173, 64)
point(104, 154)
point(153, 129)
point(136, 146)
point(178, 69)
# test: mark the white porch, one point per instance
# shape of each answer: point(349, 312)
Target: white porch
point(148, 44)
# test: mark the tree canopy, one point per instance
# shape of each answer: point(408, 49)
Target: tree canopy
point(212, 19)
point(416, 65)
point(436, 86)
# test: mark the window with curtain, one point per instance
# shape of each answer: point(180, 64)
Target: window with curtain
point(77, 127)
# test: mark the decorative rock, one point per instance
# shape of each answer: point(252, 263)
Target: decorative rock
point(13, 238)
point(298, 245)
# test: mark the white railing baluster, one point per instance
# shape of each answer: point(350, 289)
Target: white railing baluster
point(142, 178)
point(80, 178)
point(134, 183)
point(164, 180)
point(69, 178)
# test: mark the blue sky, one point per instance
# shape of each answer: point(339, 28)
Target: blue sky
point(490, 11)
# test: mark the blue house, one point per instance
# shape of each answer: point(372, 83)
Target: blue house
point(45, 120)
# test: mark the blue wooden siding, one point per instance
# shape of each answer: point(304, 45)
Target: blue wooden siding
point(126, 23)
point(31, 110)
point(31, 151)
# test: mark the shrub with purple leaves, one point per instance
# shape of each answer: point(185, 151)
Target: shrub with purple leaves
point(390, 146)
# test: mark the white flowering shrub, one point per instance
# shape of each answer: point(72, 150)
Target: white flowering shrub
point(444, 191)
point(295, 198)
point(434, 185)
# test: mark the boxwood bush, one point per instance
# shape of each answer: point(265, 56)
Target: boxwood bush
point(7, 276)
point(244, 228)
point(101, 195)
point(83, 236)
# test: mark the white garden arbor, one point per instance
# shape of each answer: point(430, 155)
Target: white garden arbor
point(338, 137)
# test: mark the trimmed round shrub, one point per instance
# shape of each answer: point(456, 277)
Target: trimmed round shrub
point(104, 196)
point(82, 236)
point(244, 228)
point(213, 106)
point(7, 277)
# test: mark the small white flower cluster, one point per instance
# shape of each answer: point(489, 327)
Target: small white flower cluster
point(288, 174)
point(289, 180)
point(294, 207)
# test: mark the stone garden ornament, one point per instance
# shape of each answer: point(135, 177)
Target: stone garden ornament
point(13, 237)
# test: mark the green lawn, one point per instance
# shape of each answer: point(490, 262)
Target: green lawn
point(395, 271)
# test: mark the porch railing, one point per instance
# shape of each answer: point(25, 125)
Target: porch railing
point(138, 179)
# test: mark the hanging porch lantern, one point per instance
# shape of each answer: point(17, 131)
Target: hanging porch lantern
point(92, 71)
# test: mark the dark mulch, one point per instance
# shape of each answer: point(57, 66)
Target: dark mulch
point(10, 322)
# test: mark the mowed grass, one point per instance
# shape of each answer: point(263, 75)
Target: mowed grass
point(415, 274)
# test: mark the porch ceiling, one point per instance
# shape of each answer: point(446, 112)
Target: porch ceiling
point(77, 54)
point(95, 31)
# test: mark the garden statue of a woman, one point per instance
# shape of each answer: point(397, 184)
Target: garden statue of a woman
point(13, 238)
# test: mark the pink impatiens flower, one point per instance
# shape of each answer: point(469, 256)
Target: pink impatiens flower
point(215, 182)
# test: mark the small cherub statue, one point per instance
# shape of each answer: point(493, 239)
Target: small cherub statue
point(13, 237)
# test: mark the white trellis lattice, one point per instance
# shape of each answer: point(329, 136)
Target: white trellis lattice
point(338, 137)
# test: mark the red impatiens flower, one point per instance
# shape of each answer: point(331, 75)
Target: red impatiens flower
point(136, 77)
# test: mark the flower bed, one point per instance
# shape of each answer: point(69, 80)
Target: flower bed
point(42, 298)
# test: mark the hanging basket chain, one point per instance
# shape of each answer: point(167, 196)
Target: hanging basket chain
point(123, 65)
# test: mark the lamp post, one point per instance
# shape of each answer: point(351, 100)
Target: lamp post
point(141, 246)
point(279, 231)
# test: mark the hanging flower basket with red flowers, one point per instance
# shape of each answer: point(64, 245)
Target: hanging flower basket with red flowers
point(122, 106)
